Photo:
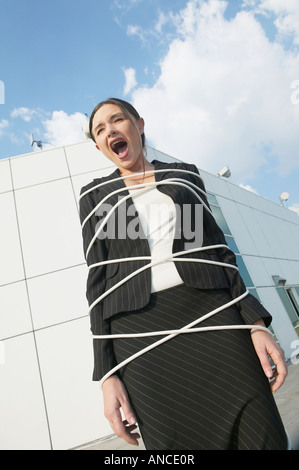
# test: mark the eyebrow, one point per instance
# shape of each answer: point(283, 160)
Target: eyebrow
point(100, 124)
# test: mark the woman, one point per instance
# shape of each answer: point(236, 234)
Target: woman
point(203, 390)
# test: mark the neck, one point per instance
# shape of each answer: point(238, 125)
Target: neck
point(140, 166)
point(139, 169)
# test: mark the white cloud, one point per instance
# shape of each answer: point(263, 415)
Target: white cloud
point(248, 188)
point(59, 128)
point(295, 208)
point(64, 129)
point(162, 20)
point(134, 30)
point(3, 125)
point(223, 94)
point(287, 16)
point(159, 31)
point(125, 4)
point(130, 80)
point(24, 113)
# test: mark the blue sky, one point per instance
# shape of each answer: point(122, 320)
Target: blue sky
point(216, 81)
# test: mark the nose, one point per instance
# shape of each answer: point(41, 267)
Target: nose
point(110, 130)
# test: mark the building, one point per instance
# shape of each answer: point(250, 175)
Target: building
point(48, 399)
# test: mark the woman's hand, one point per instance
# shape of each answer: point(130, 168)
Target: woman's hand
point(116, 397)
point(266, 346)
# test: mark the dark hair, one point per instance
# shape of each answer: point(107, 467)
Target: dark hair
point(126, 107)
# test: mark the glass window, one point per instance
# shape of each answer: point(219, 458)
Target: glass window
point(288, 305)
point(254, 292)
point(293, 300)
point(220, 220)
point(243, 272)
point(232, 244)
point(291, 295)
point(212, 199)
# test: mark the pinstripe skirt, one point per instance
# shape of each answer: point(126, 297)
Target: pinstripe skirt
point(199, 391)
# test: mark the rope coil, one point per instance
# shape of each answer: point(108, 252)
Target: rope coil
point(144, 187)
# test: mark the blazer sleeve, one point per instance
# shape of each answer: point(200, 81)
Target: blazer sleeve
point(250, 308)
point(104, 359)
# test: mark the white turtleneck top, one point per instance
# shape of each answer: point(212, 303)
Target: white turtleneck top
point(157, 216)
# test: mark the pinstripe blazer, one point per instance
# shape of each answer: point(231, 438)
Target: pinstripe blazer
point(135, 293)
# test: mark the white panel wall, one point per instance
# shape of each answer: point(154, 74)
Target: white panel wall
point(5, 176)
point(39, 167)
point(15, 317)
point(10, 246)
point(73, 402)
point(61, 294)
point(84, 157)
point(48, 221)
point(23, 414)
point(48, 400)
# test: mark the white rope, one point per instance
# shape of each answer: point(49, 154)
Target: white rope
point(154, 262)
point(170, 332)
point(165, 170)
point(173, 257)
point(141, 191)
point(146, 185)
point(185, 329)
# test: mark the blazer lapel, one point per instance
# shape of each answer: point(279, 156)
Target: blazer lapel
point(171, 190)
point(114, 191)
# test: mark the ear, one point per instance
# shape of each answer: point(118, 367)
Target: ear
point(97, 147)
point(141, 125)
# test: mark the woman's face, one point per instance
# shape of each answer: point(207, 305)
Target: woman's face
point(118, 137)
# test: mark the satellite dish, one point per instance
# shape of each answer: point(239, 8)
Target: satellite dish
point(284, 196)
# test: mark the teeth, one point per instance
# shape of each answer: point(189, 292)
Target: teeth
point(117, 142)
point(117, 146)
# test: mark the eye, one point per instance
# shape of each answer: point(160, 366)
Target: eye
point(99, 131)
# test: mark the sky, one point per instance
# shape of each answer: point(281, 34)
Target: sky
point(217, 82)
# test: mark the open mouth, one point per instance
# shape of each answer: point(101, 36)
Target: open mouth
point(120, 147)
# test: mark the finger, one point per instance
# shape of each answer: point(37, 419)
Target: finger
point(115, 421)
point(276, 353)
point(129, 414)
point(130, 436)
point(280, 374)
point(124, 430)
point(265, 363)
point(130, 428)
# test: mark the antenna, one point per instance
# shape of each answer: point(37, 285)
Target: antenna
point(224, 173)
point(39, 143)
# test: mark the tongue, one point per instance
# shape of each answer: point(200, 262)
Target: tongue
point(121, 150)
